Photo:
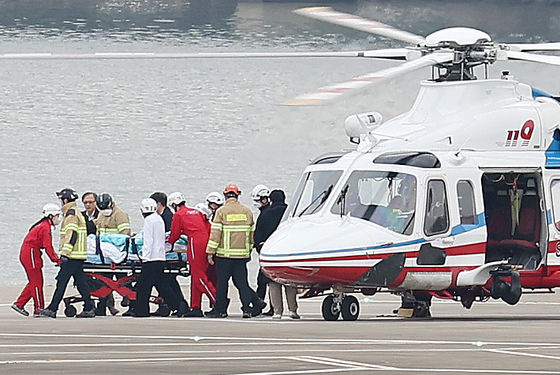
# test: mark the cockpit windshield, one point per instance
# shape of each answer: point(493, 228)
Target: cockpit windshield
point(313, 191)
point(384, 198)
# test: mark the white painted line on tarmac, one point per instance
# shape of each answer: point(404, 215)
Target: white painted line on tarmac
point(340, 362)
point(137, 360)
point(262, 340)
point(523, 354)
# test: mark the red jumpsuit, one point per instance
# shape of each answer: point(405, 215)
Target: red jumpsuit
point(39, 237)
point(192, 223)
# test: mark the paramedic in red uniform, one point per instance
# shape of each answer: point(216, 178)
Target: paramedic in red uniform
point(39, 237)
point(192, 222)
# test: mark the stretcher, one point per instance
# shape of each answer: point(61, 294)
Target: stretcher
point(104, 275)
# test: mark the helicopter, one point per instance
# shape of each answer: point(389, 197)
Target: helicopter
point(457, 198)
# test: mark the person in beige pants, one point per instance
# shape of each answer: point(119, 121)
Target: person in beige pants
point(268, 221)
point(277, 303)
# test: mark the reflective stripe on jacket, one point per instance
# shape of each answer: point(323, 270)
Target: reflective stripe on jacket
point(117, 222)
point(231, 234)
point(73, 233)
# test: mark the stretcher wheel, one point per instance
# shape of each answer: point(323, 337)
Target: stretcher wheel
point(70, 311)
point(163, 310)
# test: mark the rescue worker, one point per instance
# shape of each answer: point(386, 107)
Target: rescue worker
point(270, 220)
point(260, 196)
point(153, 261)
point(215, 200)
point(91, 212)
point(72, 255)
point(193, 223)
point(231, 241)
point(167, 216)
point(112, 219)
point(39, 237)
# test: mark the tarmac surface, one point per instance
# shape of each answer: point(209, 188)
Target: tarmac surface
point(491, 338)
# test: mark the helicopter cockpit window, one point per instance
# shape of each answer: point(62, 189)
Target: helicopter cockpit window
point(555, 193)
point(384, 198)
point(437, 213)
point(313, 191)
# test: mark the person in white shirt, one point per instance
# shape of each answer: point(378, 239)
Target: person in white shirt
point(153, 260)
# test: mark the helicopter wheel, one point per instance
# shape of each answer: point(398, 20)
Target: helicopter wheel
point(350, 308)
point(330, 308)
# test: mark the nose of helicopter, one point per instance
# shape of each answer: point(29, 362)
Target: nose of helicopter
point(307, 251)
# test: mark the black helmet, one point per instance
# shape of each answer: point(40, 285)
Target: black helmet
point(104, 201)
point(68, 194)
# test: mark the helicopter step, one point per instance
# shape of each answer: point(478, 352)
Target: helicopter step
point(414, 305)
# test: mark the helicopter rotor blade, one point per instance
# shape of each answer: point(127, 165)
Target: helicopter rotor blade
point(525, 56)
point(529, 47)
point(330, 15)
point(397, 53)
point(336, 91)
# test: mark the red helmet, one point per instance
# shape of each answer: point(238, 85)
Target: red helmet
point(232, 188)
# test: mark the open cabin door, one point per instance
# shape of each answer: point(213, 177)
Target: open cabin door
point(515, 220)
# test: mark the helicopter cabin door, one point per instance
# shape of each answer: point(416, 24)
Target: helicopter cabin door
point(515, 222)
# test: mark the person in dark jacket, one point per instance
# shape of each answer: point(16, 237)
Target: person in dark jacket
point(270, 220)
point(260, 196)
point(91, 212)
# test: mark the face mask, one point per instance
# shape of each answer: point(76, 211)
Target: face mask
point(107, 212)
point(56, 220)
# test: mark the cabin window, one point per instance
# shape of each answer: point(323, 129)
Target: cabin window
point(465, 195)
point(313, 191)
point(387, 199)
point(555, 192)
point(436, 220)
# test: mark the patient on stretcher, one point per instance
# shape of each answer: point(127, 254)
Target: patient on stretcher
point(118, 248)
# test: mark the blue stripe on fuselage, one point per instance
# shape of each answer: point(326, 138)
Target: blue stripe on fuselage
point(459, 229)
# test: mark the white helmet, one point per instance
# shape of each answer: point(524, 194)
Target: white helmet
point(176, 198)
point(204, 209)
point(148, 206)
point(215, 197)
point(260, 191)
point(51, 209)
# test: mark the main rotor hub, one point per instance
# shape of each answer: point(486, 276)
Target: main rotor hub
point(456, 37)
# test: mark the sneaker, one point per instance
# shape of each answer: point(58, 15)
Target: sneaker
point(47, 313)
point(86, 314)
point(247, 315)
point(215, 314)
point(20, 310)
point(268, 313)
point(294, 315)
point(277, 316)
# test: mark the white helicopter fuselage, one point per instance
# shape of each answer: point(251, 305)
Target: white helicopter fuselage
point(477, 162)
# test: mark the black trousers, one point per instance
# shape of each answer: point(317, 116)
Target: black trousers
point(71, 268)
point(152, 275)
point(237, 270)
point(262, 282)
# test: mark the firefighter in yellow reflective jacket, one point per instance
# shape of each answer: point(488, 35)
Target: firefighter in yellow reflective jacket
point(231, 241)
point(72, 254)
point(111, 219)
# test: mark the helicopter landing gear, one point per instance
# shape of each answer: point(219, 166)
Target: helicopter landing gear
point(414, 305)
point(338, 304)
